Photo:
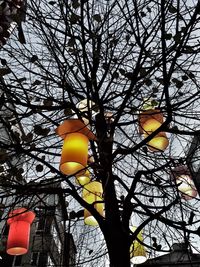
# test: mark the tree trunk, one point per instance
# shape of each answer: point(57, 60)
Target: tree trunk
point(118, 247)
point(116, 234)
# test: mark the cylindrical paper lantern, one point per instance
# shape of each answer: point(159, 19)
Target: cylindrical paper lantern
point(88, 109)
point(158, 143)
point(150, 121)
point(154, 115)
point(83, 178)
point(74, 155)
point(185, 184)
point(92, 192)
point(87, 106)
point(19, 232)
point(137, 250)
point(150, 126)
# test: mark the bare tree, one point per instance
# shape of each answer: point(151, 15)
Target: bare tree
point(122, 56)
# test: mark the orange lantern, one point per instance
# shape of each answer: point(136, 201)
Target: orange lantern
point(149, 121)
point(184, 182)
point(19, 232)
point(74, 155)
point(92, 192)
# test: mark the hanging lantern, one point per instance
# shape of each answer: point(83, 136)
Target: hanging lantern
point(87, 107)
point(158, 143)
point(83, 178)
point(19, 231)
point(149, 121)
point(184, 182)
point(137, 250)
point(74, 155)
point(92, 193)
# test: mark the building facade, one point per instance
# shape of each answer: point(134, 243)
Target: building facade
point(180, 256)
point(50, 244)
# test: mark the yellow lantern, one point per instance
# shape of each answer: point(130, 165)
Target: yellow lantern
point(158, 143)
point(83, 178)
point(74, 155)
point(137, 250)
point(150, 121)
point(92, 192)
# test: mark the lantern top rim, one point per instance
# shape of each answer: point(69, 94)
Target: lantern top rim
point(149, 115)
point(180, 170)
point(21, 214)
point(74, 126)
point(138, 259)
point(85, 105)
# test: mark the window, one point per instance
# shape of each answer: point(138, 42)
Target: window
point(34, 258)
point(41, 225)
point(17, 261)
point(39, 259)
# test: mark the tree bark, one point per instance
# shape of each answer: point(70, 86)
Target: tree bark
point(118, 246)
point(115, 233)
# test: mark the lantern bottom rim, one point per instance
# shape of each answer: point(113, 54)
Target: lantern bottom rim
point(138, 259)
point(17, 251)
point(158, 144)
point(90, 220)
point(71, 168)
point(82, 180)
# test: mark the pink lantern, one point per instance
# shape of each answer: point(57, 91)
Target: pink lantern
point(184, 182)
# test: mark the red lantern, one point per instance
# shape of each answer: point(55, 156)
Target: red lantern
point(18, 237)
